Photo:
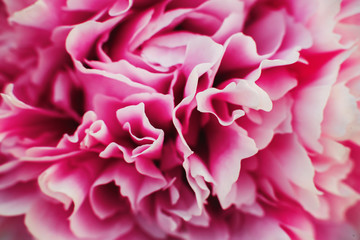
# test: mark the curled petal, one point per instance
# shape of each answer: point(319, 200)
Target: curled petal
point(67, 183)
point(132, 184)
point(227, 101)
point(85, 224)
point(106, 200)
point(135, 122)
point(97, 133)
point(240, 52)
point(56, 223)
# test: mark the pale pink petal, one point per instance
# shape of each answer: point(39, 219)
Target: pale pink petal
point(300, 169)
point(38, 15)
point(203, 60)
point(231, 25)
point(322, 26)
point(315, 94)
point(340, 112)
point(120, 7)
point(297, 37)
point(334, 231)
point(294, 178)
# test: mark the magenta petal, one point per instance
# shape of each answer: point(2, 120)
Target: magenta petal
point(240, 52)
point(240, 93)
point(186, 209)
point(87, 5)
point(179, 119)
point(278, 120)
point(158, 108)
point(229, 145)
point(216, 231)
point(120, 7)
point(105, 198)
point(14, 228)
point(171, 48)
point(68, 183)
point(135, 122)
point(335, 231)
point(85, 224)
point(198, 175)
point(55, 225)
point(97, 133)
point(260, 228)
point(15, 172)
point(18, 199)
point(114, 150)
point(29, 126)
point(133, 185)
point(267, 38)
point(243, 192)
point(92, 29)
point(276, 82)
point(136, 234)
point(158, 81)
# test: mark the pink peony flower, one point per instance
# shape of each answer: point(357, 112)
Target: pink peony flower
point(218, 119)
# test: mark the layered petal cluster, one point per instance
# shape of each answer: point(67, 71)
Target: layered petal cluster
point(173, 119)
